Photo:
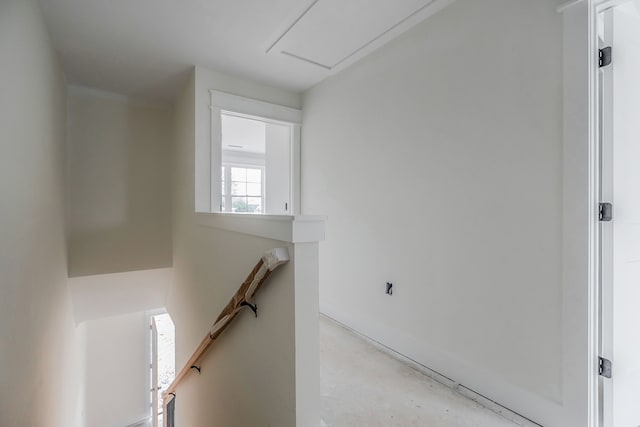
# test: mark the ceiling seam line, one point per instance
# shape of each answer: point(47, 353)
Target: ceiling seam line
point(394, 26)
point(326, 67)
point(292, 25)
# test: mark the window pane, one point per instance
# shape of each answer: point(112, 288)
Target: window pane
point(222, 173)
point(222, 206)
point(254, 175)
point(238, 174)
point(254, 204)
point(239, 204)
point(223, 188)
point(254, 189)
point(238, 189)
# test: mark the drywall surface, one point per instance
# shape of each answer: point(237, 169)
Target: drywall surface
point(119, 181)
point(107, 295)
point(438, 160)
point(115, 370)
point(39, 352)
point(248, 377)
point(278, 170)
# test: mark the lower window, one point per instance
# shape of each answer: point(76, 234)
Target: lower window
point(242, 189)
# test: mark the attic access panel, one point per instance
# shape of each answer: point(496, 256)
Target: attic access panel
point(329, 32)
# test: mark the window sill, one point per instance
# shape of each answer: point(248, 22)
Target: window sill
point(286, 228)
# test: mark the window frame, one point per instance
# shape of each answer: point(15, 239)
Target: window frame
point(225, 103)
point(228, 181)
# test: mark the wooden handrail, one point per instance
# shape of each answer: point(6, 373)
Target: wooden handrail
point(242, 298)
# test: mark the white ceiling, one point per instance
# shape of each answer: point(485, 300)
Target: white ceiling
point(145, 48)
point(332, 30)
point(246, 135)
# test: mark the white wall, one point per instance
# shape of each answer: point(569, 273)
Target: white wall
point(115, 369)
point(278, 170)
point(39, 352)
point(106, 295)
point(119, 183)
point(248, 377)
point(438, 160)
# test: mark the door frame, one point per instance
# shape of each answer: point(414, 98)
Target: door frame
point(603, 109)
point(586, 105)
point(595, 382)
point(148, 316)
point(600, 314)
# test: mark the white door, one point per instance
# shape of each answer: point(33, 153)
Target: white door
point(621, 237)
point(154, 372)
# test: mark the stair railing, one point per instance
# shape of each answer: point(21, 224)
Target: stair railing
point(242, 298)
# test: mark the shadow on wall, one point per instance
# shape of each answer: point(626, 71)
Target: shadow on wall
point(118, 189)
point(165, 89)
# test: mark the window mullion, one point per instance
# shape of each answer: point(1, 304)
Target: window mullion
point(227, 189)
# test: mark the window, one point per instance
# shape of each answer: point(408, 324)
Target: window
point(254, 156)
point(241, 189)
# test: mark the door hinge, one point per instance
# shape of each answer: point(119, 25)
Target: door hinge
point(604, 367)
point(604, 56)
point(605, 212)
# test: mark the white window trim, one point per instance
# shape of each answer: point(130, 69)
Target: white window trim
point(226, 103)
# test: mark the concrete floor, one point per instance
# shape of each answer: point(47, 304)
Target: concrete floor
point(362, 386)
